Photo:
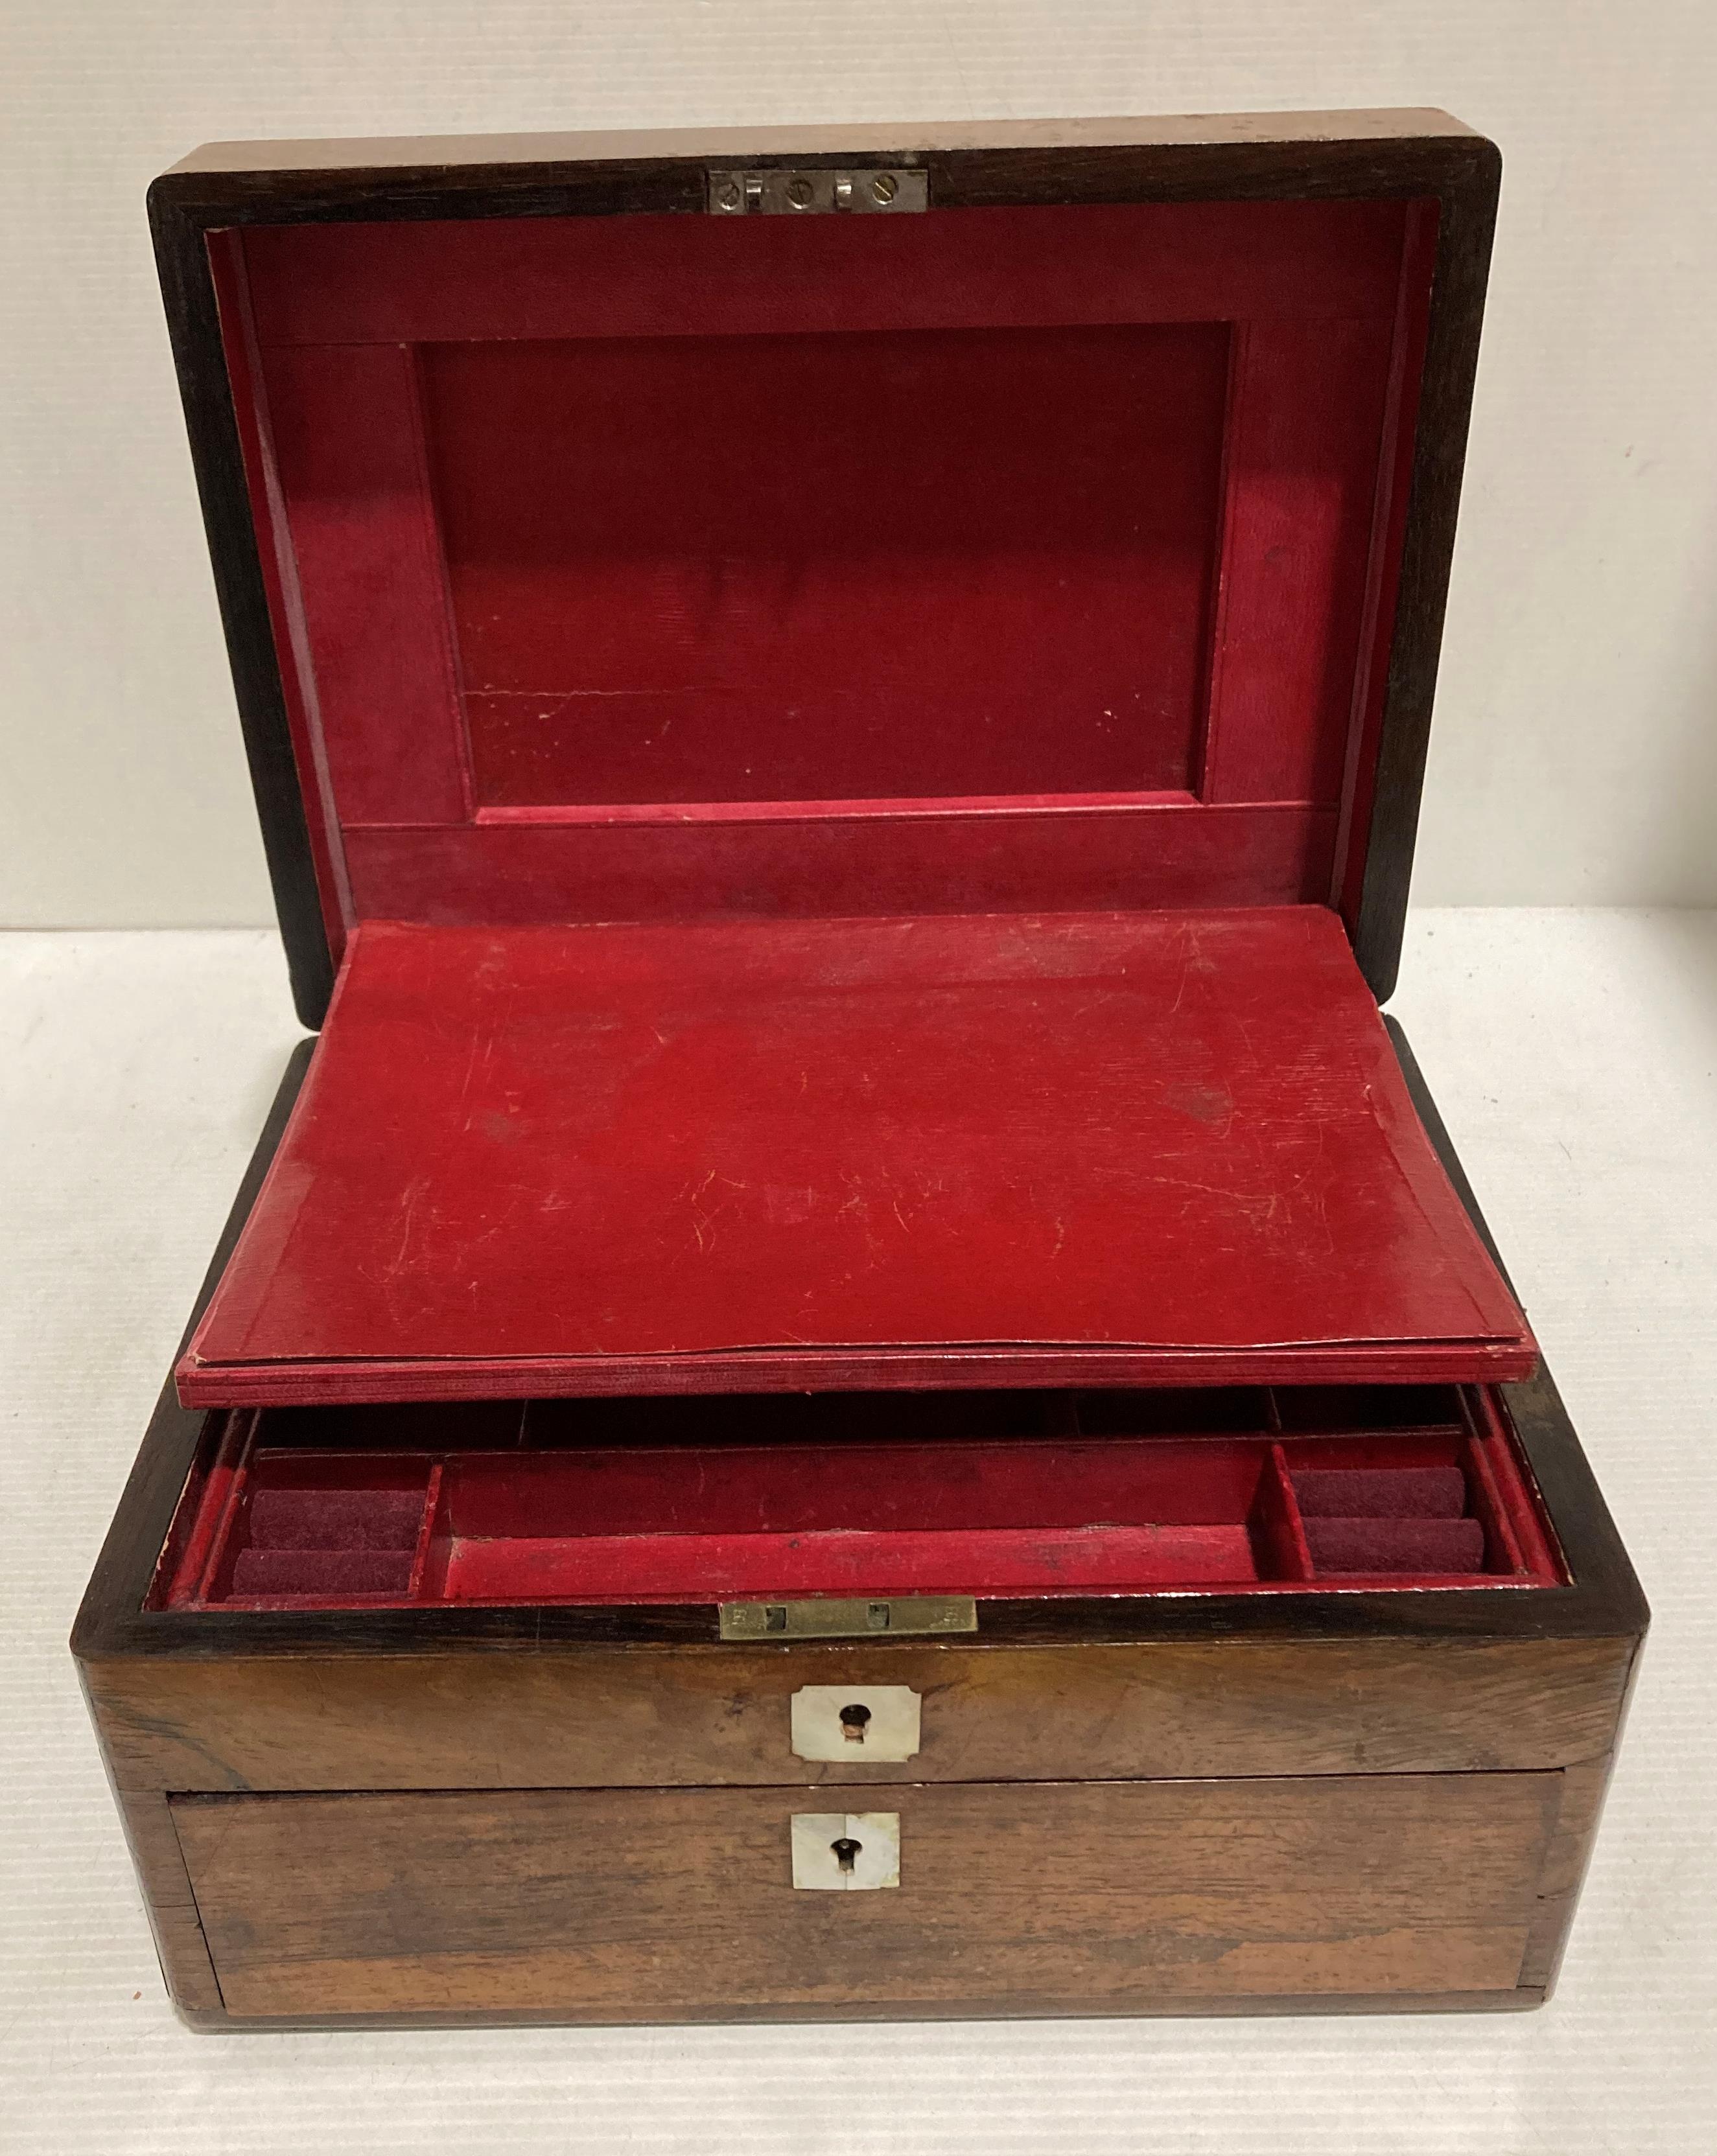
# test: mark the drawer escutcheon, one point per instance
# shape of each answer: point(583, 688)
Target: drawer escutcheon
point(854, 1724)
point(845, 1852)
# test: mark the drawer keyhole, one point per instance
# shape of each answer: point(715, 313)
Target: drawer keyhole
point(846, 1849)
point(855, 1720)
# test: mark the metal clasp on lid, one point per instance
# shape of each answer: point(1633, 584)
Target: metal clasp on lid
point(891, 190)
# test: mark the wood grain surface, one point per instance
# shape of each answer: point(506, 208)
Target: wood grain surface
point(720, 1715)
point(872, 138)
point(651, 1904)
point(180, 1946)
point(1567, 1855)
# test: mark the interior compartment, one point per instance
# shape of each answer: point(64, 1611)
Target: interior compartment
point(991, 1494)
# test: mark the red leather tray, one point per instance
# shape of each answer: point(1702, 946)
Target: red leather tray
point(1107, 1148)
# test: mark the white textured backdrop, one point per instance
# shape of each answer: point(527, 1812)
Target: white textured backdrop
point(1576, 752)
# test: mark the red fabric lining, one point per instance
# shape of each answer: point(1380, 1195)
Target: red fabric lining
point(318, 1519)
point(864, 1488)
point(1373, 1544)
point(986, 562)
point(1153, 856)
point(1403, 1493)
point(1303, 440)
point(832, 511)
point(1102, 1560)
point(883, 585)
point(280, 573)
point(1276, 1527)
point(1389, 524)
point(321, 1572)
point(544, 278)
point(350, 457)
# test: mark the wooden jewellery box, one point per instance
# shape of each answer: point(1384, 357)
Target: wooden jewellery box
point(857, 1379)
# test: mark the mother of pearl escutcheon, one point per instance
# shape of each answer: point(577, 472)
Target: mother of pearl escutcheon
point(845, 1852)
point(854, 1724)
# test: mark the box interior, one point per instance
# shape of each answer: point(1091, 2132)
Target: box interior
point(991, 1494)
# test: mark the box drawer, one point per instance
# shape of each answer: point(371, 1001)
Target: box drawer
point(659, 1904)
point(693, 1717)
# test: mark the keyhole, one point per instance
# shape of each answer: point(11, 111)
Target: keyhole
point(846, 1849)
point(855, 1720)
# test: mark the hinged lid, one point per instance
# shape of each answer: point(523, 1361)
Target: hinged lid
point(997, 584)
point(1080, 541)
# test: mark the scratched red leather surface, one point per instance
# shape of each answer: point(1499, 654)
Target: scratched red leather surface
point(773, 1155)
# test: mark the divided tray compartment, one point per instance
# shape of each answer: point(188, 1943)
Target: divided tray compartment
point(997, 1495)
point(328, 1527)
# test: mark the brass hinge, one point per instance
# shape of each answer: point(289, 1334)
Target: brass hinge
point(896, 189)
point(829, 1618)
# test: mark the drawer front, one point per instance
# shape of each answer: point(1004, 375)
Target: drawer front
point(599, 1718)
point(656, 1904)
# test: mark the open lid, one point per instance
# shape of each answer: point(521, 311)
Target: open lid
point(868, 544)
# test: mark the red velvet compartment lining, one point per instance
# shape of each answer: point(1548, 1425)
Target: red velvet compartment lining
point(1372, 1544)
point(260, 1573)
point(1438, 1501)
point(1388, 1493)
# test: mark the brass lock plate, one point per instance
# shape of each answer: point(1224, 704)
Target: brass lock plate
point(826, 1617)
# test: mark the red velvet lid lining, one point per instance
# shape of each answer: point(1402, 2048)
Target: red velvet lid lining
point(651, 568)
